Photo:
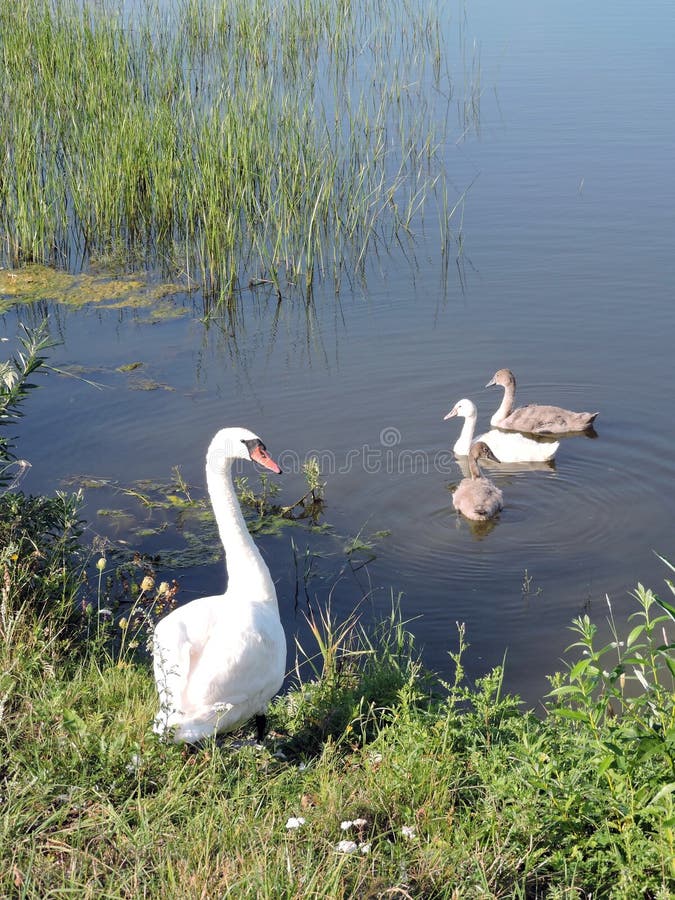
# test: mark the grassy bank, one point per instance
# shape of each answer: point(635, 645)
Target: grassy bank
point(200, 137)
point(451, 789)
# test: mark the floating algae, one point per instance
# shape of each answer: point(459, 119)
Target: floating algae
point(41, 283)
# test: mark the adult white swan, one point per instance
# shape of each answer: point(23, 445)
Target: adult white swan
point(508, 447)
point(534, 419)
point(477, 497)
point(219, 660)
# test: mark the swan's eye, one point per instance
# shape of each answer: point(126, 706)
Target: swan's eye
point(252, 444)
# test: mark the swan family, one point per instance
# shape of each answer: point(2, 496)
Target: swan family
point(219, 660)
point(517, 436)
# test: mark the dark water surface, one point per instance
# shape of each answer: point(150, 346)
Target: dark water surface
point(567, 277)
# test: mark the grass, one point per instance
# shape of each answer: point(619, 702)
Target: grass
point(197, 137)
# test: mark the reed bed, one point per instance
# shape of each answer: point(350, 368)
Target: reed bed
point(224, 141)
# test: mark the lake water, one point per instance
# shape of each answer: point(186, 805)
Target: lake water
point(566, 277)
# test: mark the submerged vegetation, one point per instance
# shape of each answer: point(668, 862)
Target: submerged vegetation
point(199, 137)
point(155, 508)
point(33, 283)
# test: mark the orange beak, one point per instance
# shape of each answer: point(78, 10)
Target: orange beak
point(260, 455)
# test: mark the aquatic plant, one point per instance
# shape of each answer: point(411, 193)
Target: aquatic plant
point(199, 137)
point(35, 282)
point(14, 388)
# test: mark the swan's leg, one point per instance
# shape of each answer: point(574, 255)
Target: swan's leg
point(260, 726)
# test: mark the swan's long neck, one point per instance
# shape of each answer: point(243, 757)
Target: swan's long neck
point(506, 406)
point(463, 442)
point(247, 572)
point(474, 468)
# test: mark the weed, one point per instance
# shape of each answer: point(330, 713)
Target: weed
point(14, 388)
point(270, 515)
point(526, 587)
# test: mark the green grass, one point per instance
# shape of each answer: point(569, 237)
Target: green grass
point(198, 137)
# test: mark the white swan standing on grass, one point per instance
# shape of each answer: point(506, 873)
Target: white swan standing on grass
point(219, 660)
point(477, 497)
point(534, 418)
point(508, 447)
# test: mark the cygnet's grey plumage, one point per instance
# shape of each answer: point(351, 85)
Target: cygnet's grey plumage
point(477, 497)
point(535, 418)
point(508, 448)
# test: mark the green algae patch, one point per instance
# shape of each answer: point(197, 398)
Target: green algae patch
point(162, 311)
point(149, 384)
point(35, 283)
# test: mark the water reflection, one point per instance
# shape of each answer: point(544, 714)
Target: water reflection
point(479, 530)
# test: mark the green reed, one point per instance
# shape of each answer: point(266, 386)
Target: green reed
point(200, 136)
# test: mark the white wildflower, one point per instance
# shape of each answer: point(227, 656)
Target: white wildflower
point(347, 847)
point(294, 822)
point(408, 832)
point(357, 823)
point(365, 849)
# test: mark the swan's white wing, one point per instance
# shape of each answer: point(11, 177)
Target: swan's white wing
point(242, 661)
point(515, 447)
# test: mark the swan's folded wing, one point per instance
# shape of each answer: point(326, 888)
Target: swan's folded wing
point(238, 666)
